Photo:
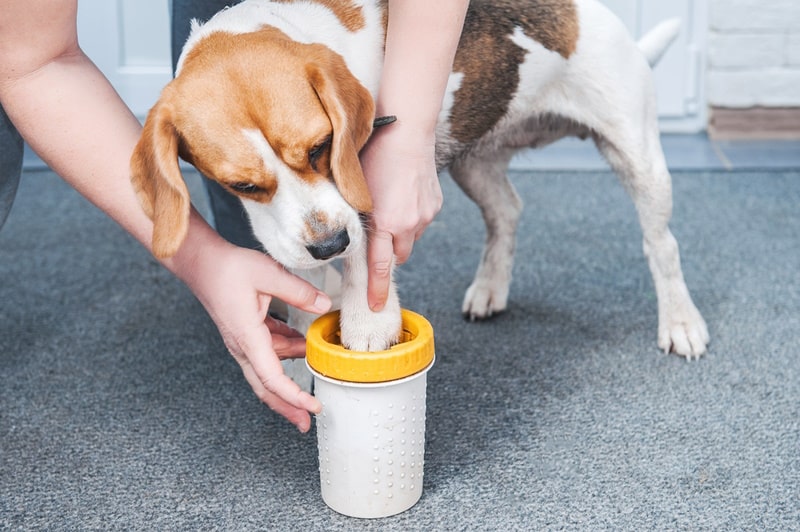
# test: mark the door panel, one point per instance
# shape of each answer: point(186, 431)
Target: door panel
point(129, 41)
point(679, 75)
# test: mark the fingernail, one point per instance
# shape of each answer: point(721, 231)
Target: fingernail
point(317, 407)
point(322, 303)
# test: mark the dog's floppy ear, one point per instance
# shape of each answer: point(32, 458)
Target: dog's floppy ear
point(351, 110)
point(158, 182)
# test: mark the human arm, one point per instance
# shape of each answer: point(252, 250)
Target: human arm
point(72, 117)
point(398, 161)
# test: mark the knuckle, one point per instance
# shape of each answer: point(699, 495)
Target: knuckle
point(264, 396)
point(306, 295)
point(268, 381)
point(381, 268)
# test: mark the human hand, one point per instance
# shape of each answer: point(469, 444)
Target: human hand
point(236, 286)
point(400, 170)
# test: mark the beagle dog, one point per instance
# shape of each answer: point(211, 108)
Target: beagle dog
point(275, 99)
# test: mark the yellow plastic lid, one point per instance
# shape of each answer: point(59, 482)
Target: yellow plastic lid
point(326, 355)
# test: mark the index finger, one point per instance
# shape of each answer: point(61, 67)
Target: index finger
point(380, 252)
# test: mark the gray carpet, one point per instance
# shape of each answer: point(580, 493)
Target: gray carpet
point(120, 409)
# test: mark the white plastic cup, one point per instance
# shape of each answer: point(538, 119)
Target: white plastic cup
point(371, 435)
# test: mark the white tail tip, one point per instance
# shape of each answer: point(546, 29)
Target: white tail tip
point(656, 41)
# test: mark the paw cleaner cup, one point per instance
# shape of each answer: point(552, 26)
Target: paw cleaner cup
point(371, 431)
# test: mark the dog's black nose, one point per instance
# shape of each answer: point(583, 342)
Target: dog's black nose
point(330, 247)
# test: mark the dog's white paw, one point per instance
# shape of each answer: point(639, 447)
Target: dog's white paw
point(684, 332)
point(371, 331)
point(485, 298)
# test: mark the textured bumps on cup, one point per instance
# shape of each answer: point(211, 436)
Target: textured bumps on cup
point(371, 431)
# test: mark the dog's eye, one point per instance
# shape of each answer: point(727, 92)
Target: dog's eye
point(244, 187)
point(317, 151)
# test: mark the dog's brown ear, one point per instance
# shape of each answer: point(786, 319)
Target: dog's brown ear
point(158, 182)
point(351, 110)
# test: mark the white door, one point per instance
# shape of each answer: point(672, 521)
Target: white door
point(129, 40)
point(680, 73)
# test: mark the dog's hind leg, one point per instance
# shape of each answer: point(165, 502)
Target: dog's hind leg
point(485, 181)
point(635, 154)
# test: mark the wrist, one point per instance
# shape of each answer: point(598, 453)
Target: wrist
point(407, 137)
point(413, 123)
point(202, 246)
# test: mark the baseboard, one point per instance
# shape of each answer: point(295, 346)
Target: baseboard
point(754, 123)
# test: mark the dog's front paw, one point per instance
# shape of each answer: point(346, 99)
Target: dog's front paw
point(484, 299)
point(371, 331)
point(684, 332)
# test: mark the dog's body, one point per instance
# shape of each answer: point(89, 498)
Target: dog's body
point(275, 99)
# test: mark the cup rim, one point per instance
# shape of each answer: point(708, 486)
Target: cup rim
point(327, 357)
point(367, 385)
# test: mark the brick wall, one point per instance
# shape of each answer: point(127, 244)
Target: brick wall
point(754, 53)
point(754, 64)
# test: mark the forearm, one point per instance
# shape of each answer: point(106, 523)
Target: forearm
point(69, 113)
point(420, 46)
point(73, 118)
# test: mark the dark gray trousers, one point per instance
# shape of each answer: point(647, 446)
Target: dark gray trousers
point(10, 164)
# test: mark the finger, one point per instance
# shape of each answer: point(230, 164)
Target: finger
point(293, 290)
point(268, 370)
point(288, 347)
point(298, 417)
point(403, 246)
point(286, 341)
point(281, 327)
point(379, 264)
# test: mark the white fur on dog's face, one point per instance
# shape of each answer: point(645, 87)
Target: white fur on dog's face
point(277, 123)
point(299, 214)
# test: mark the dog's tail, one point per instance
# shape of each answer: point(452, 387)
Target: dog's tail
point(656, 41)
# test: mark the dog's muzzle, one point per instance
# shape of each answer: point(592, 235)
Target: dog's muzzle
point(330, 247)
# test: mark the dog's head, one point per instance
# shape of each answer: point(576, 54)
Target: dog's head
point(277, 123)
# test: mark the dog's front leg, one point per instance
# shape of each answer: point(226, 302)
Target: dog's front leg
point(361, 328)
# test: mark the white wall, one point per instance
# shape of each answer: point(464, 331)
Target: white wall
point(754, 53)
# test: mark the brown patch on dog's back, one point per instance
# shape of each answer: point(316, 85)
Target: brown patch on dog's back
point(552, 23)
point(490, 60)
point(349, 14)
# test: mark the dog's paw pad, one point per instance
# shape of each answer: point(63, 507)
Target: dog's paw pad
point(483, 300)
